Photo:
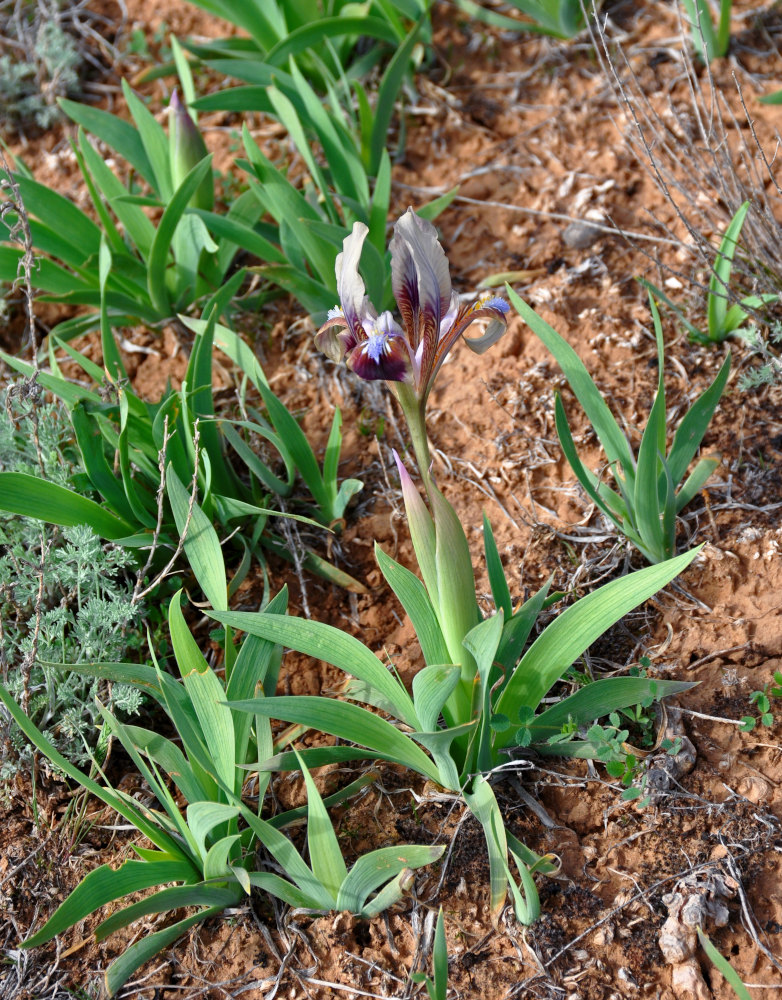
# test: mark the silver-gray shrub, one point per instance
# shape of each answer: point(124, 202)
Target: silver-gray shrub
point(85, 600)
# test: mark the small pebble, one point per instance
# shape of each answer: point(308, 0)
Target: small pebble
point(580, 235)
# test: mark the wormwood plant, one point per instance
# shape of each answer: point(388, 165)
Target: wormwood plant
point(206, 826)
point(481, 691)
point(39, 62)
point(64, 597)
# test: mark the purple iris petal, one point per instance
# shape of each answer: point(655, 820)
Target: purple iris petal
point(384, 353)
point(420, 281)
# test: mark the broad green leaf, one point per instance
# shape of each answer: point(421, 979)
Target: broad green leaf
point(115, 132)
point(349, 722)
point(165, 900)
point(690, 431)
point(312, 35)
point(104, 885)
point(432, 686)
point(56, 210)
point(576, 628)
point(158, 255)
point(414, 599)
point(170, 758)
point(483, 805)
point(482, 642)
point(378, 867)
point(207, 695)
point(202, 546)
point(599, 699)
point(611, 437)
point(242, 235)
point(324, 642)
point(155, 142)
point(137, 954)
point(326, 861)
point(33, 497)
point(203, 817)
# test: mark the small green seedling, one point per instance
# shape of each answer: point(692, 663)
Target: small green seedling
point(762, 702)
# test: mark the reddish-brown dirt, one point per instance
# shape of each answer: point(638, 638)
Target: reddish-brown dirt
point(535, 136)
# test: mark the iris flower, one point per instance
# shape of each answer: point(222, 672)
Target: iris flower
point(433, 318)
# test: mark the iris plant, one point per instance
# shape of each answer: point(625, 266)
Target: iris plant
point(408, 357)
point(481, 690)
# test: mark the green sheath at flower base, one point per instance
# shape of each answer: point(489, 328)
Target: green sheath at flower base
point(187, 150)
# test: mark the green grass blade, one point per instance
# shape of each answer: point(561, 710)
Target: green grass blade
point(691, 430)
point(695, 482)
point(723, 965)
point(723, 265)
point(608, 431)
point(155, 142)
point(387, 95)
point(610, 503)
point(497, 581)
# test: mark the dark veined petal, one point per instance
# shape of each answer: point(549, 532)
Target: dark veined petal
point(383, 355)
point(487, 307)
point(420, 281)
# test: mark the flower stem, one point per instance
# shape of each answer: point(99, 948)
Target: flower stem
point(415, 415)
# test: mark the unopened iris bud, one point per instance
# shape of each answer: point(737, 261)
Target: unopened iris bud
point(187, 150)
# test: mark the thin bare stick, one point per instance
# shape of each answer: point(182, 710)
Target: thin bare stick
point(181, 543)
point(160, 497)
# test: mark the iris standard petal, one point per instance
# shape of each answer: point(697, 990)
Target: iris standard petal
point(350, 288)
point(420, 280)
